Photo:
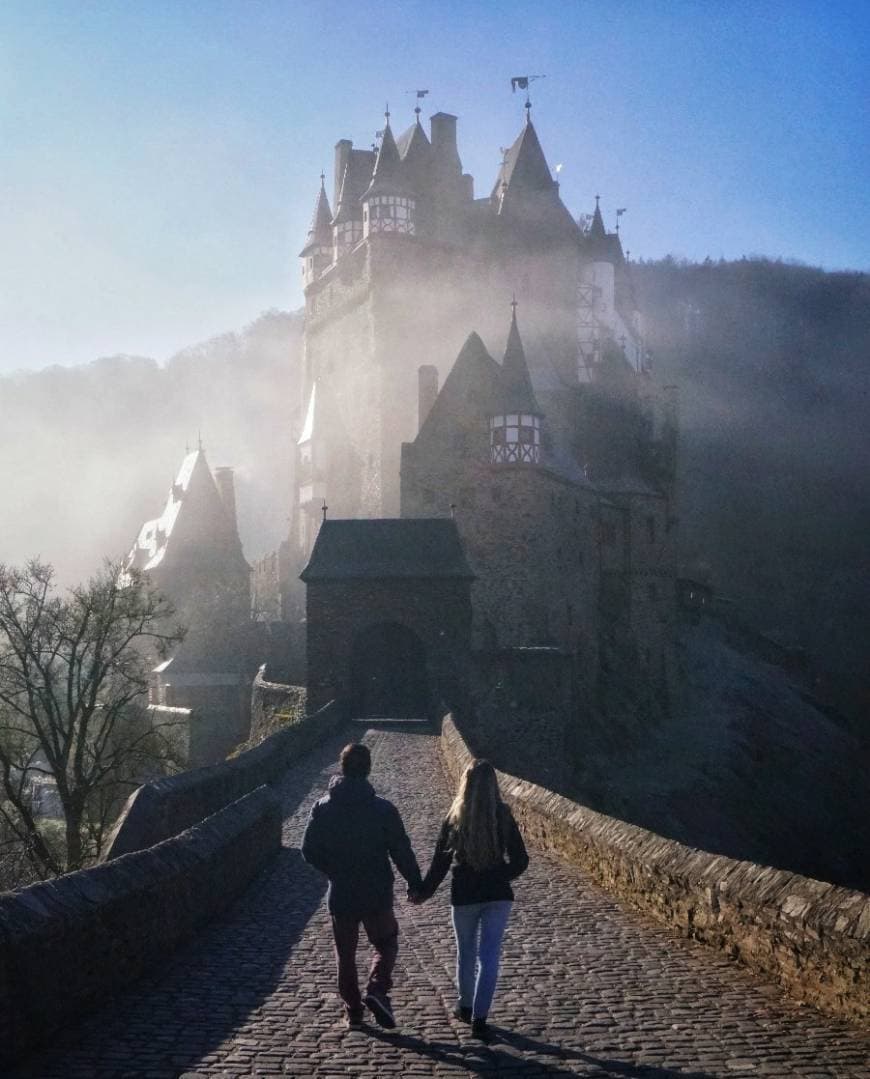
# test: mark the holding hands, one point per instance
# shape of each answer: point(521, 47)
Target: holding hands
point(416, 897)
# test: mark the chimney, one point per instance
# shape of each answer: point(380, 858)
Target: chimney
point(427, 391)
point(342, 155)
point(223, 477)
point(445, 153)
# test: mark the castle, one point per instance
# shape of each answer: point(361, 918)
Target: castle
point(549, 475)
point(557, 464)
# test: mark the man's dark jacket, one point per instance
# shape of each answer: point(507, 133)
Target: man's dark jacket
point(351, 836)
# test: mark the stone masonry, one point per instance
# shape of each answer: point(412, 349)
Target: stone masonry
point(587, 988)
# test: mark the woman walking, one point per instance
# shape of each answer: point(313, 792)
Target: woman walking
point(482, 842)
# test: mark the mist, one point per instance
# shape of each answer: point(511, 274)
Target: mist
point(769, 359)
point(88, 453)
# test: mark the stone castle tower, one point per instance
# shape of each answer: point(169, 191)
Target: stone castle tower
point(396, 277)
point(397, 272)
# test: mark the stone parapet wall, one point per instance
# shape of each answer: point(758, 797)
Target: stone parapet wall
point(813, 938)
point(67, 945)
point(274, 705)
point(165, 807)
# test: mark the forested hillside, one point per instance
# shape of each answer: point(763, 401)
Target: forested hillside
point(88, 453)
point(771, 361)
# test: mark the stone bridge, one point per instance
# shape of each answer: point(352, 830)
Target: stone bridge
point(588, 987)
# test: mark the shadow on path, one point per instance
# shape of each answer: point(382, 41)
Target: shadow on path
point(173, 1017)
point(481, 1059)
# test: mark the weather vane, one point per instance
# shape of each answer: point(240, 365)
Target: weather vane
point(420, 94)
point(521, 82)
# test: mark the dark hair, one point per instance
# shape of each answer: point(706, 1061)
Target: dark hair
point(356, 760)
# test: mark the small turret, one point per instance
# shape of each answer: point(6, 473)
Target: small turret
point(354, 172)
point(515, 430)
point(389, 204)
point(317, 253)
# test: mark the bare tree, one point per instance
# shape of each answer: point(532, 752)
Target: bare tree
point(73, 678)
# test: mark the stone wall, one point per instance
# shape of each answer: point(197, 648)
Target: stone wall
point(67, 945)
point(165, 807)
point(274, 705)
point(811, 937)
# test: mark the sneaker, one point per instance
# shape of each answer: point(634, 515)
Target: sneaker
point(480, 1029)
point(353, 1020)
point(462, 1014)
point(381, 1008)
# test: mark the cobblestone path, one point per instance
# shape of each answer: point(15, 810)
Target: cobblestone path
point(586, 988)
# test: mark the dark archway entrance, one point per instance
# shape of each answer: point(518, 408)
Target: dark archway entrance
point(388, 674)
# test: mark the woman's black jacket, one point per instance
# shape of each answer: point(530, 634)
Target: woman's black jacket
point(470, 885)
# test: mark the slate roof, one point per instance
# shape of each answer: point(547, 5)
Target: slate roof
point(320, 232)
point(387, 549)
point(599, 244)
point(357, 177)
point(194, 507)
point(472, 387)
point(412, 141)
point(388, 177)
point(518, 395)
point(524, 165)
point(525, 190)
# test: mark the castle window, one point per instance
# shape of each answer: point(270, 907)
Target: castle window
point(389, 213)
point(515, 438)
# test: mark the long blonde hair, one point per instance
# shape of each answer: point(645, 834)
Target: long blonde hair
point(475, 816)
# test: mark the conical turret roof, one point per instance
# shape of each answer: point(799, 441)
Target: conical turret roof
point(517, 392)
point(320, 232)
point(526, 193)
point(388, 178)
point(357, 177)
point(599, 244)
point(413, 142)
point(524, 167)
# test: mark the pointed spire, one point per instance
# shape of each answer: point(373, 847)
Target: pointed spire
point(516, 381)
point(320, 231)
point(388, 178)
point(598, 244)
point(524, 168)
point(597, 229)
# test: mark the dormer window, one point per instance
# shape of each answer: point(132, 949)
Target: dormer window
point(515, 438)
point(388, 213)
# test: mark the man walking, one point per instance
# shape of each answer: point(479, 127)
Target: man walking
point(351, 836)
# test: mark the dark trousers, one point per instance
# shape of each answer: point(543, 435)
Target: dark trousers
point(382, 930)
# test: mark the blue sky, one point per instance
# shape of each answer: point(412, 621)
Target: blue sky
point(160, 159)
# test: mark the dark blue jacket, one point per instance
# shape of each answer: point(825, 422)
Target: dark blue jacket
point(351, 836)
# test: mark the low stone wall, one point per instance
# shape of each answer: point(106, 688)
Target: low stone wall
point(274, 705)
point(165, 807)
point(811, 937)
point(67, 945)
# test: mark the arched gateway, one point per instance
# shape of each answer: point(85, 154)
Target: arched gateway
point(389, 617)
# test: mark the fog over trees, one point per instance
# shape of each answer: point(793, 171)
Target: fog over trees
point(770, 360)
